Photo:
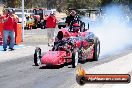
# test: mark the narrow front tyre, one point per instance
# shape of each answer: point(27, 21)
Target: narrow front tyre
point(37, 56)
point(74, 59)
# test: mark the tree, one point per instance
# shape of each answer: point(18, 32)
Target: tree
point(62, 5)
point(12, 3)
point(105, 2)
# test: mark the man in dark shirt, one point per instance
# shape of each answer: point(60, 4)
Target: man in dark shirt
point(71, 18)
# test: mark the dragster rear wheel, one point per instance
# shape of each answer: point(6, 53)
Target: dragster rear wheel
point(82, 27)
point(75, 58)
point(96, 50)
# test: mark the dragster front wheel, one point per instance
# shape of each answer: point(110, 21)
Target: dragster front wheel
point(74, 59)
point(37, 56)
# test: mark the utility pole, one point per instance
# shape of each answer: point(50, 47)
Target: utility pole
point(23, 20)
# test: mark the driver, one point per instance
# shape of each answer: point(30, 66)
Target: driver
point(62, 36)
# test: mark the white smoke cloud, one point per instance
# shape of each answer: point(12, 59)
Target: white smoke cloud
point(113, 32)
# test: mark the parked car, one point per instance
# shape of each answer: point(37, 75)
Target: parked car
point(61, 23)
point(19, 14)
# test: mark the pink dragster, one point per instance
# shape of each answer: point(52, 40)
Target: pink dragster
point(71, 47)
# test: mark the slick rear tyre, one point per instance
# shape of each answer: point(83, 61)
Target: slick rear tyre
point(74, 59)
point(96, 50)
point(37, 57)
point(82, 27)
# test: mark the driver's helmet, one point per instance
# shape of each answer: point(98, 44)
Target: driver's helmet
point(76, 27)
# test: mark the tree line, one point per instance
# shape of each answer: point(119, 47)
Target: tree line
point(62, 5)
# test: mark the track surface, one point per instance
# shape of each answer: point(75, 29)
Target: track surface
point(22, 73)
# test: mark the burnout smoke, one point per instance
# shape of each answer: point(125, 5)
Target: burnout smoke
point(113, 31)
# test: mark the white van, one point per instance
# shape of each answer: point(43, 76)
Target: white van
point(19, 14)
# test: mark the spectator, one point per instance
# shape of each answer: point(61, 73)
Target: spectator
point(50, 25)
point(8, 30)
point(71, 18)
point(5, 13)
point(45, 19)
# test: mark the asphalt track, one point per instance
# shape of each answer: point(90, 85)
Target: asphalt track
point(22, 73)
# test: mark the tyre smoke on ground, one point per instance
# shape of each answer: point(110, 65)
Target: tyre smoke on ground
point(113, 31)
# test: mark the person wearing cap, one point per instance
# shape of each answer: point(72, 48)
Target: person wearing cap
point(72, 17)
point(8, 30)
point(50, 25)
point(45, 19)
